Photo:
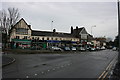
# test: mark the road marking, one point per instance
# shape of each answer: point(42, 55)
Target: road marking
point(53, 69)
point(58, 67)
point(105, 73)
point(62, 66)
point(101, 75)
point(35, 74)
point(48, 70)
point(105, 76)
point(27, 77)
point(42, 72)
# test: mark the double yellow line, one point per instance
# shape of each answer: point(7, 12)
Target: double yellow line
point(104, 74)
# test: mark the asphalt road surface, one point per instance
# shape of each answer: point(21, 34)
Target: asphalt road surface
point(64, 65)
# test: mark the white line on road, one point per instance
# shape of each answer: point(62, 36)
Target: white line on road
point(27, 77)
point(42, 72)
point(48, 70)
point(35, 74)
point(53, 69)
point(62, 66)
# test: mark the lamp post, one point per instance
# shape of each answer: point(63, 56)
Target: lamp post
point(91, 28)
point(52, 32)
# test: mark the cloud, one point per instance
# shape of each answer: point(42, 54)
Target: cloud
point(66, 14)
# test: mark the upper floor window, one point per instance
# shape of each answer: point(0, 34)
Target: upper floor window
point(25, 37)
point(56, 38)
point(48, 38)
point(32, 37)
point(51, 38)
point(17, 37)
point(43, 38)
point(22, 31)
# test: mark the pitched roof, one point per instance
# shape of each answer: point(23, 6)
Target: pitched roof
point(77, 31)
point(48, 33)
point(19, 21)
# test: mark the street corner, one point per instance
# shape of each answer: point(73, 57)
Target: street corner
point(7, 60)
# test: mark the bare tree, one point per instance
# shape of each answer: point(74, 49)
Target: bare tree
point(3, 21)
point(7, 20)
point(13, 16)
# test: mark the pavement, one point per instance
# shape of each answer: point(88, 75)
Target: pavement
point(116, 72)
point(7, 60)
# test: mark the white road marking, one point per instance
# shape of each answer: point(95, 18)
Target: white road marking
point(48, 70)
point(27, 77)
point(62, 66)
point(53, 69)
point(42, 72)
point(35, 74)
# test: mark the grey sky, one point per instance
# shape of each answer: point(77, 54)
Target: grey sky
point(67, 14)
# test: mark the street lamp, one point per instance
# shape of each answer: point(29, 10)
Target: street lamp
point(52, 32)
point(91, 28)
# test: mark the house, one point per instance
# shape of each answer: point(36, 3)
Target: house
point(23, 36)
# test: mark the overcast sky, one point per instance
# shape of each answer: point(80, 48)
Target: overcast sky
point(67, 14)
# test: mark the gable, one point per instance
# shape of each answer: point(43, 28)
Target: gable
point(22, 24)
point(83, 31)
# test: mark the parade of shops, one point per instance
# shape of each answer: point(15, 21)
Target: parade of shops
point(23, 37)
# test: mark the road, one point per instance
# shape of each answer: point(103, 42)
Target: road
point(64, 65)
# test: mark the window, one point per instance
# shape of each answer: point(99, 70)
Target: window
point(51, 38)
point(25, 37)
point(60, 38)
point(47, 38)
point(22, 31)
point(56, 39)
point(32, 37)
point(43, 38)
point(17, 37)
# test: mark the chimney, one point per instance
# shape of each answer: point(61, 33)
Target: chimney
point(29, 26)
point(54, 30)
point(77, 27)
point(71, 29)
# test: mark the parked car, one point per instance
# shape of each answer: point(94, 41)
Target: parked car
point(54, 48)
point(93, 49)
point(97, 48)
point(82, 49)
point(73, 49)
point(114, 48)
point(66, 48)
point(102, 48)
